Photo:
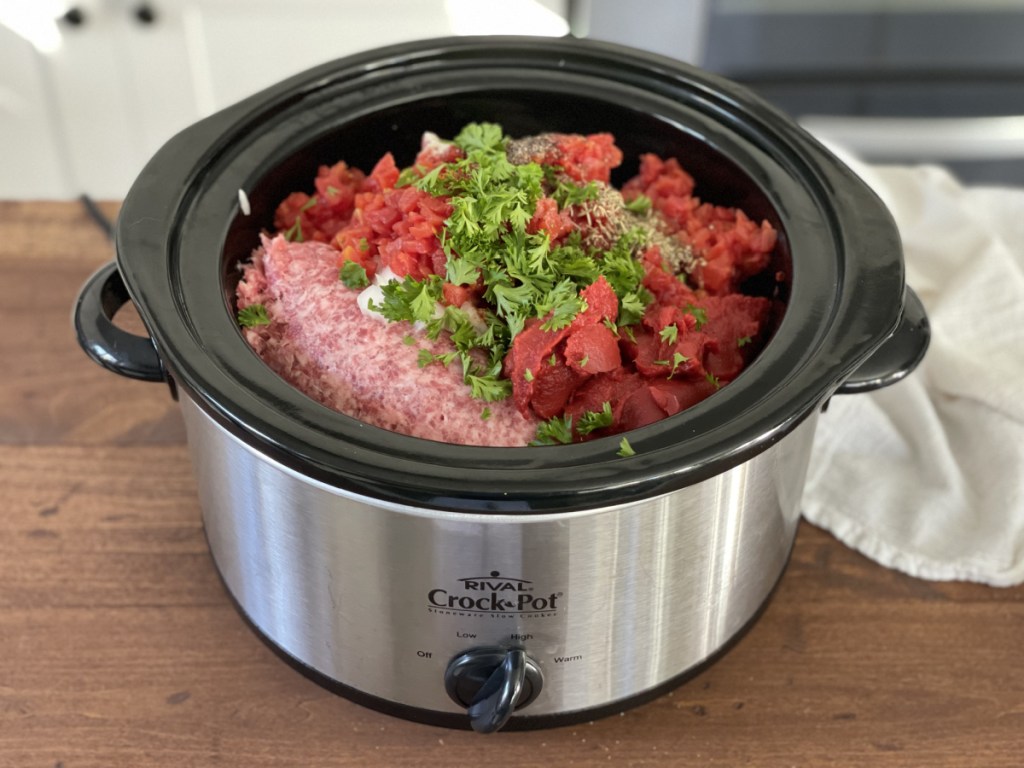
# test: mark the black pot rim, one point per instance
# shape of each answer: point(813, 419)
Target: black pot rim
point(846, 297)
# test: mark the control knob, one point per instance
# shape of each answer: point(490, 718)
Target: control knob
point(492, 683)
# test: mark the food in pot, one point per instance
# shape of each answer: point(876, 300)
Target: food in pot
point(501, 291)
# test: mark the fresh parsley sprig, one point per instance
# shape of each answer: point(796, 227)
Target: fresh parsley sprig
point(353, 275)
point(410, 300)
point(592, 420)
point(253, 315)
point(567, 193)
point(555, 431)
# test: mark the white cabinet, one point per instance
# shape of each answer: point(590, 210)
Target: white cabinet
point(83, 115)
point(119, 89)
point(235, 53)
point(31, 164)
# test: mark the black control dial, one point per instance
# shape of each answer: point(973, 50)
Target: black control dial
point(492, 683)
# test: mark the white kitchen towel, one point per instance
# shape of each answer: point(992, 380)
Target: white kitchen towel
point(927, 476)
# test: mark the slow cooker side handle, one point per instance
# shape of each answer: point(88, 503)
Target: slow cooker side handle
point(115, 349)
point(898, 355)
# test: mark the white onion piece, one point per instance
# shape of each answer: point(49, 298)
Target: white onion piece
point(374, 293)
point(475, 318)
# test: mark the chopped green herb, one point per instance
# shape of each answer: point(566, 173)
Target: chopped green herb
point(485, 414)
point(632, 306)
point(640, 204)
point(560, 305)
point(669, 334)
point(699, 315)
point(553, 360)
point(678, 358)
point(489, 387)
point(253, 315)
point(364, 244)
point(567, 193)
point(625, 449)
point(528, 374)
point(424, 358)
point(712, 379)
point(743, 341)
point(481, 136)
point(461, 272)
point(584, 360)
point(557, 429)
point(409, 175)
point(408, 339)
point(353, 275)
point(625, 274)
point(410, 300)
point(294, 233)
point(592, 420)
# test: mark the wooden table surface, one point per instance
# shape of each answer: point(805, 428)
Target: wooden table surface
point(120, 647)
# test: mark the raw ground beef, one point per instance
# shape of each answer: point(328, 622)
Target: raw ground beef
point(321, 342)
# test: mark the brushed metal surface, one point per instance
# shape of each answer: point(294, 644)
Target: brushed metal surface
point(609, 602)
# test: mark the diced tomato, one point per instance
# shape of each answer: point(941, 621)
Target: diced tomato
point(434, 152)
point(736, 322)
point(660, 180)
point(588, 158)
point(402, 263)
point(337, 184)
point(384, 174)
point(400, 226)
point(319, 217)
point(582, 158)
point(360, 257)
point(547, 218)
point(715, 276)
point(382, 220)
point(667, 288)
point(456, 295)
point(729, 245)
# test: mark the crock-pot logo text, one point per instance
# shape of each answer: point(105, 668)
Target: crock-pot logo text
point(493, 595)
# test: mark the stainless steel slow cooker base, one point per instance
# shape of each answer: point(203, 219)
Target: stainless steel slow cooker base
point(521, 722)
point(609, 604)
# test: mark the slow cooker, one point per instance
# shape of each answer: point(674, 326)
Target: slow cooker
point(490, 587)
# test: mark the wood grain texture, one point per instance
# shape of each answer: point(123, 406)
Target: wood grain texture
point(119, 646)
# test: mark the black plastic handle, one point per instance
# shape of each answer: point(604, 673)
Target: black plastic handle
point(898, 355)
point(114, 348)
